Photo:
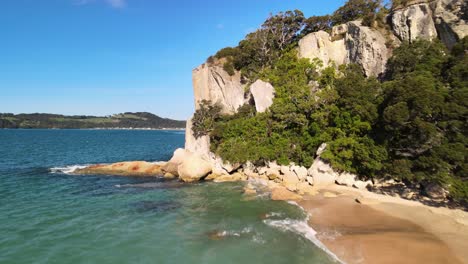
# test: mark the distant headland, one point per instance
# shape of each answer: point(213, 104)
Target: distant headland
point(127, 120)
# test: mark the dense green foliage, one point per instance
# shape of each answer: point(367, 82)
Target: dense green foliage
point(125, 120)
point(261, 49)
point(423, 120)
point(411, 126)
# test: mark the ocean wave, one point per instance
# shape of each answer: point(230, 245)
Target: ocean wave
point(67, 169)
point(302, 228)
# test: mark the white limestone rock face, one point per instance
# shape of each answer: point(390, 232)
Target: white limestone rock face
point(200, 146)
point(349, 43)
point(449, 21)
point(366, 47)
point(211, 82)
point(319, 45)
point(263, 94)
point(413, 22)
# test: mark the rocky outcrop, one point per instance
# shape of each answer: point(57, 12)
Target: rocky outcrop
point(193, 168)
point(322, 173)
point(319, 45)
point(199, 145)
point(414, 22)
point(348, 43)
point(370, 48)
point(367, 47)
point(231, 177)
point(445, 19)
point(351, 42)
point(450, 17)
point(128, 168)
point(263, 94)
point(213, 83)
point(177, 158)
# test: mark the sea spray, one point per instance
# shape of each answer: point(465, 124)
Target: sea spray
point(302, 228)
point(67, 169)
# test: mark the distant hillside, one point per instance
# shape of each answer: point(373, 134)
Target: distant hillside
point(125, 120)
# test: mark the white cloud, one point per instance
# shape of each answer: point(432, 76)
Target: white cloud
point(112, 3)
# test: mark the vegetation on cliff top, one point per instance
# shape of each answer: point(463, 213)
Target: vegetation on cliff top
point(260, 49)
point(125, 120)
point(411, 125)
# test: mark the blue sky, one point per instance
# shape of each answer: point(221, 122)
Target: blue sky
point(100, 57)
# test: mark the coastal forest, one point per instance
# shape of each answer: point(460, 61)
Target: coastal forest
point(124, 120)
point(409, 124)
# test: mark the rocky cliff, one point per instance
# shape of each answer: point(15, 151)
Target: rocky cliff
point(348, 43)
point(371, 48)
point(352, 42)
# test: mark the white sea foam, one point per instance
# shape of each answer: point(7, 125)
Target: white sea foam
point(302, 228)
point(274, 214)
point(67, 169)
point(235, 233)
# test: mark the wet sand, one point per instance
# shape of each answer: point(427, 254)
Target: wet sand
point(385, 229)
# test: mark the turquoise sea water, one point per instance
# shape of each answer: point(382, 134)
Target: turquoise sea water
point(48, 216)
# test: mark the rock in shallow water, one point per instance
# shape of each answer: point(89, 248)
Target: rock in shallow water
point(127, 168)
point(193, 168)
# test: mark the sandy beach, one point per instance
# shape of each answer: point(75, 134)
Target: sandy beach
point(383, 229)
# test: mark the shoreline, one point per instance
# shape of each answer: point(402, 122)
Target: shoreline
point(384, 229)
point(357, 226)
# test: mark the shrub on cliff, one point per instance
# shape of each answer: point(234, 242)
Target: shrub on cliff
point(368, 10)
point(204, 118)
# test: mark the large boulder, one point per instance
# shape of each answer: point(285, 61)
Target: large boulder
point(290, 180)
point(414, 22)
point(322, 173)
point(300, 171)
point(211, 82)
point(222, 167)
point(346, 179)
point(263, 94)
point(193, 168)
point(177, 158)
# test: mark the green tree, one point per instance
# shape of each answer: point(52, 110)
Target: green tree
point(204, 119)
